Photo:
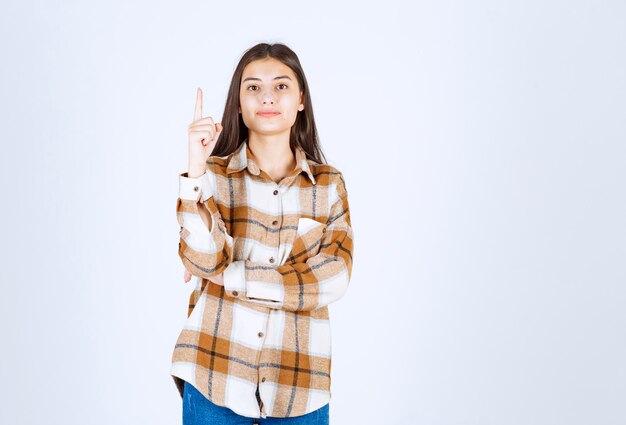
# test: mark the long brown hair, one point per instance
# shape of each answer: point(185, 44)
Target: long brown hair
point(303, 132)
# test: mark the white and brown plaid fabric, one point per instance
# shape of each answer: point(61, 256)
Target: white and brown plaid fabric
point(261, 344)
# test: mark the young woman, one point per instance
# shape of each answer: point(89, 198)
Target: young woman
point(265, 228)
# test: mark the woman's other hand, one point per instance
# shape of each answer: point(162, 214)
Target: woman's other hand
point(219, 279)
point(203, 135)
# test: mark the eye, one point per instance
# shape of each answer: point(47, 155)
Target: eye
point(256, 87)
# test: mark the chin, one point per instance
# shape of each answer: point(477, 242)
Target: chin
point(269, 129)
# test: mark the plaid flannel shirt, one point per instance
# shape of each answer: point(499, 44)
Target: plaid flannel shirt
point(261, 344)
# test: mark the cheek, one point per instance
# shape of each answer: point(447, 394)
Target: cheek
point(289, 117)
point(291, 110)
point(291, 114)
point(247, 110)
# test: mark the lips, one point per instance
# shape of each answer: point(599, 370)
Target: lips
point(267, 113)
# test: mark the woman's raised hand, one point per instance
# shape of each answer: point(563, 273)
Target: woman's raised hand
point(203, 135)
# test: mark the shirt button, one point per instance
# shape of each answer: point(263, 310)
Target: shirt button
point(260, 334)
point(271, 259)
point(263, 379)
point(276, 192)
point(324, 230)
point(275, 222)
point(235, 293)
point(196, 188)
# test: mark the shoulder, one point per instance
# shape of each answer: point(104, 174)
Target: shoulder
point(329, 171)
point(218, 164)
point(329, 175)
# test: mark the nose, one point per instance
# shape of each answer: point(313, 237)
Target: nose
point(268, 97)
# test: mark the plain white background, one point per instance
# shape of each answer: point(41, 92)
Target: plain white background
point(483, 146)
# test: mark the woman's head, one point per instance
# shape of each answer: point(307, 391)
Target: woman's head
point(289, 95)
point(268, 85)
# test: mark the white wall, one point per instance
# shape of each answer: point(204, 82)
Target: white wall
point(483, 146)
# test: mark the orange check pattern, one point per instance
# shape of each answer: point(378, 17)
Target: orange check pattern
point(261, 344)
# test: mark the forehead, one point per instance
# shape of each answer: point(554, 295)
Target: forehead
point(267, 69)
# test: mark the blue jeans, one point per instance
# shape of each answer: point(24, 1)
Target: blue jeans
point(198, 410)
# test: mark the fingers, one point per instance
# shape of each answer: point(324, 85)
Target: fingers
point(205, 120)
point(218, 130)
point(209, 131)
point(203, 127)
point(187, 276)
point(198, 111)
point(204, 136)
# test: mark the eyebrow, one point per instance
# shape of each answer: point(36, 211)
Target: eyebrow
point(275, 78)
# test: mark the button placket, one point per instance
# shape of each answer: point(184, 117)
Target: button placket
point(276, 192)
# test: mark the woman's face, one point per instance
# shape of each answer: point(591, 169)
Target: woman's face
point(269, 85)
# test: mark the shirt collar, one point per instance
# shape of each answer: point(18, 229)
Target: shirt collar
point(242, 157)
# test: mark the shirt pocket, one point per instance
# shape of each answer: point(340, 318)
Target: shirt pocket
point(308, 239)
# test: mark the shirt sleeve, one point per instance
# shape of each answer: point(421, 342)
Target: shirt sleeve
point(203, 252)
point(300, 286)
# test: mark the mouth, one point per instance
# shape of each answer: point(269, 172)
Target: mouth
point(267, 113)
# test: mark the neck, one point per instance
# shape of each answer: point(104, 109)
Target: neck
point(273, 154)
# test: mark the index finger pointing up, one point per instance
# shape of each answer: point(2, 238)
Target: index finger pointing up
point(198, 112)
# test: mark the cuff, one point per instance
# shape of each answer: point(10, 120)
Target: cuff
point(268, 292)
point(234, 279)
point(192, 188)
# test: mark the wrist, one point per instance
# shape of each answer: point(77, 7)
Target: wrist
point(196, 170)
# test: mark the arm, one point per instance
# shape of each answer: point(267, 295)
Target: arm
point(204, 250)
point(301, 286)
